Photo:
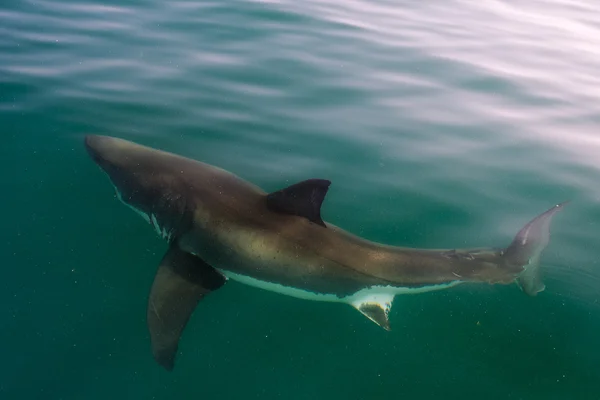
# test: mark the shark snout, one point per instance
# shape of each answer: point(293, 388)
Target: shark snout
point(98, 147)
point(110, 152)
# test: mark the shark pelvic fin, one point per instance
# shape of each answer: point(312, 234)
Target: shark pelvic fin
point(303, 199)
point(181, 281)
point(376, 308)
point(526, 249)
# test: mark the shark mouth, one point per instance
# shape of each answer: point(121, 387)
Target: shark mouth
point(160, 229)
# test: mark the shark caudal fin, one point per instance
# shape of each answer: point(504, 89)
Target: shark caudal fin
point(526, 248)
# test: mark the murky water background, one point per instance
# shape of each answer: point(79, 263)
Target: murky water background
point(440, 123)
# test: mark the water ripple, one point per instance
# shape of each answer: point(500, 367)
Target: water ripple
point(440, 123)
point(485, 89)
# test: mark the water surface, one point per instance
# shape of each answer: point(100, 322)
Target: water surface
point(440, 124)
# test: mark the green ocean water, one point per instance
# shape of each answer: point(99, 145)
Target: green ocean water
point(440, 124)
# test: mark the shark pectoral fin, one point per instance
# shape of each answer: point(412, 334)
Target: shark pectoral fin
point(303, 199)
point(376, 308)
point(181, 281)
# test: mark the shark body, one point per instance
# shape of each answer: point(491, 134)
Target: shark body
point(219, 226)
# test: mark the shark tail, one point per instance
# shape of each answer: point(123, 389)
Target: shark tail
point(525, 250)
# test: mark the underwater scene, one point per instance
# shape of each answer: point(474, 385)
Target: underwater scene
point(318, 199)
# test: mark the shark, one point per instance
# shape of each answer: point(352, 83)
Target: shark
point(220, 227)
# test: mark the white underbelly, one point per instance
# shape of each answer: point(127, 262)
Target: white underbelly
point(361, 295)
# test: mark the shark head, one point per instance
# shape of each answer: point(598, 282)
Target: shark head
point(145, 179)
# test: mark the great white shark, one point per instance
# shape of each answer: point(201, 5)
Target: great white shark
point(219, 227)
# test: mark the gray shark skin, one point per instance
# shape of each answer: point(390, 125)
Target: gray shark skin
point(219, 226)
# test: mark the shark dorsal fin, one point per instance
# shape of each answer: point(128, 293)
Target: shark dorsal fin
point(303, 199)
